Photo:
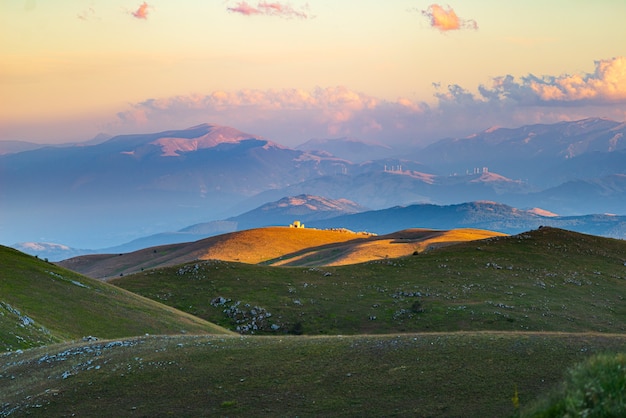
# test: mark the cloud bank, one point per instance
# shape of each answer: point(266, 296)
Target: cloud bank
point(604, 86)
point(142, 11)
point(446, 19)
point(292, 116)
point(271, 9)
point(288, 116)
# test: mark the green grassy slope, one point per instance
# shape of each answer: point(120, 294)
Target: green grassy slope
point(41, 303)
point(453, 375)
point(544, 280)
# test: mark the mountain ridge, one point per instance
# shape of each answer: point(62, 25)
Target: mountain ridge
point(489, 215)
point(143, 184)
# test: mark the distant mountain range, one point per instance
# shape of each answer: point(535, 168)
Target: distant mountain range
point(304, 208)
point(133, 186)
point(322, 213)
point(482, 215)
point(544, 155)
point(12, 147)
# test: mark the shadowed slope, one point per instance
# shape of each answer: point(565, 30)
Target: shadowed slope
point(41, 303)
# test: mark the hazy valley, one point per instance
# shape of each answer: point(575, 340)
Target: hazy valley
point(171, 182)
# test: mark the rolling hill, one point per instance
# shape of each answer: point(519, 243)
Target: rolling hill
point(273, 245)
point(41, 304)
point(249, 246)
point(415, 328)
point(457, 330)
point(543, 280)
point(389, 246)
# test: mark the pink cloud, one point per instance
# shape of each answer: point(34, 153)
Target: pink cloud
point(288, 116)
point(292, 116)
point(244, 9)
point(606, 83)
point(142, 11)
point(604, 86)
point(270, 9)
point(446, 19)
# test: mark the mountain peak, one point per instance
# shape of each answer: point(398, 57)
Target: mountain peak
point(210, 136)
point(175, 142)
point(488, 176)
point(542, 212)
point(311, 203)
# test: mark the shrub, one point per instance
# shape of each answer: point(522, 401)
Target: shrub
point(297, 329)
point(416, 307)
point(595, 388)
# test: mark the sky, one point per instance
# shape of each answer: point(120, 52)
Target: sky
point(394, 71)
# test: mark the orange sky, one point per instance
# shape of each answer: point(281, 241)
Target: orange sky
point(395, 70)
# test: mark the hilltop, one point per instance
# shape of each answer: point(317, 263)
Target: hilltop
point(249, 246)
point(389, 246)
point(271, 245)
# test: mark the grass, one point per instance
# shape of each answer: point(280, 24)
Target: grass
point(41, 303)
point(460, 330)
point(457, 374)
point(545, 280)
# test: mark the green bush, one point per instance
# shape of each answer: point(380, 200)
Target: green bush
point(595, 388)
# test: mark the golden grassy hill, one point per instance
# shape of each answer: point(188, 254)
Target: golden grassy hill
point(252, 246)
point(397, 244)
point(275, 246)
